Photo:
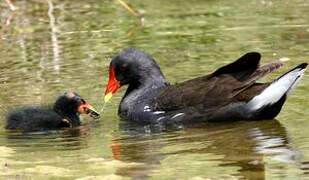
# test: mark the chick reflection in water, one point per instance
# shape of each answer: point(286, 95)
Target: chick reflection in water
point(237, 149)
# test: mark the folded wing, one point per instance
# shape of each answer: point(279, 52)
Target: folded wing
point(225, 85)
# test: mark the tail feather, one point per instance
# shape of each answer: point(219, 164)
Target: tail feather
point(282, 86)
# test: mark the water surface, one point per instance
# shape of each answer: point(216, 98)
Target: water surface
point(48, 47)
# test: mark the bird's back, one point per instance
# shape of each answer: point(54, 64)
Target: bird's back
point(33, 118)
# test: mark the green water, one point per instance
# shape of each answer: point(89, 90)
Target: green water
point(47, 48)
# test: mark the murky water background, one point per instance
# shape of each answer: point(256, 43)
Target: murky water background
point(48, 47)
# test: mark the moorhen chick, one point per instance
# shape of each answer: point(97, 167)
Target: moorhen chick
point(64, 113)
point(229, 93)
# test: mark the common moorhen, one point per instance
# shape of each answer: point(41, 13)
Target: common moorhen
point(64, 113)
point(229, 93)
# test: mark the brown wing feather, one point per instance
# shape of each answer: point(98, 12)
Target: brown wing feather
point(208, 92)
point(220, 88)
point(258, 74)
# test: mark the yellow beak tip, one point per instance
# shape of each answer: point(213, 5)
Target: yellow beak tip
point(107, 97)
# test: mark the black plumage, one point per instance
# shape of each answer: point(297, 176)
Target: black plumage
point(64, 113)
point(229, 93)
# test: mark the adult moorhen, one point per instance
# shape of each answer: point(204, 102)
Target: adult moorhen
point(230, 93)
point(64, 113)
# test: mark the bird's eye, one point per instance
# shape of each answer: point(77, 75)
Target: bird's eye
point(83, 101)
point(122, 68)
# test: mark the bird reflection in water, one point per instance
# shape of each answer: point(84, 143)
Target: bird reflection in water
point(244, 145)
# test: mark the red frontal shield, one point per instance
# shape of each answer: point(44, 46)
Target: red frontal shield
point(112, 86)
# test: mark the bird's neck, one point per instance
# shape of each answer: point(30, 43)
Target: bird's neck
point(145, 84)
point(140, 92)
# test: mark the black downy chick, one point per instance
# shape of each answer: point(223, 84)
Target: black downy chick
point(64, 113)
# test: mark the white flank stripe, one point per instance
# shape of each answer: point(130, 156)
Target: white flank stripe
point(147, 109)
point(160, 118)
point(158, 112)
point(176, 115)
